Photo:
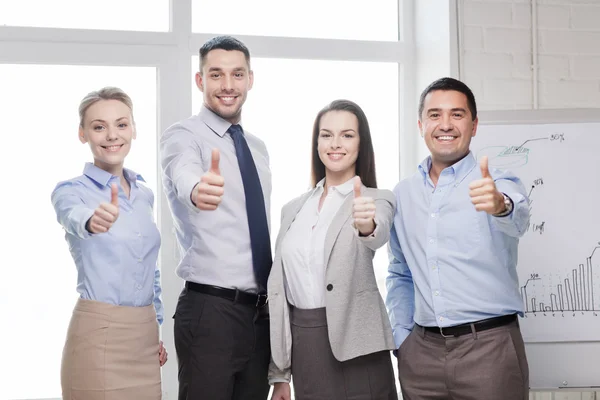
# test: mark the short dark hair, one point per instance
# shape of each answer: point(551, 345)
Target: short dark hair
point(449, 84)
point(228, 43)
point(365, 163)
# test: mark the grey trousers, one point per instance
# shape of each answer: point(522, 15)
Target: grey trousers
point(317, 375)
point(486, 365)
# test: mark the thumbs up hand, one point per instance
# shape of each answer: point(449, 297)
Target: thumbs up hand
point(484, 194)
point(363, 210)
point(208, 193)
point(106, 214)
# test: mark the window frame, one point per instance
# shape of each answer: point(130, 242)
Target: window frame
point(170, 53)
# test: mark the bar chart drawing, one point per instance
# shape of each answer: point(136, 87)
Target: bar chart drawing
point(555, 266)
point(574, 293)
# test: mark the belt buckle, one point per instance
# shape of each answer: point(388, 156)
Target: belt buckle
point(261, 300)
point(445, 336)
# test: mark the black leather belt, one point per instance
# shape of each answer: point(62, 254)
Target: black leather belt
point(237, 296)
point(465, 329)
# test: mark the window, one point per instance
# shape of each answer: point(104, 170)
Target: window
point(282, 105)
point(126, 15)
point(37, 290)
point(324, 19)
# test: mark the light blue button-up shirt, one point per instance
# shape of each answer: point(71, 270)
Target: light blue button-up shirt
point(451, 264)
point(119, 266)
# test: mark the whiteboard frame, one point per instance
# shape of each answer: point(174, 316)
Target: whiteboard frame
point(575, 355)
point(548, 116)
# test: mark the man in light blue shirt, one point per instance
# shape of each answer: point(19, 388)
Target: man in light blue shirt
point(453, 295)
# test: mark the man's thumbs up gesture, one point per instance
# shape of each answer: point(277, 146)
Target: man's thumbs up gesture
point(363, 210)
point(484, 194)
point(106, 214)
point(208, 193)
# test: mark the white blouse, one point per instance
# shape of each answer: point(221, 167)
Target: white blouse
point(302, 249)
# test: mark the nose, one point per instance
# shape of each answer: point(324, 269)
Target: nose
point(111, 134)
point(335, 142)
point(227, 83)
point(446, 123)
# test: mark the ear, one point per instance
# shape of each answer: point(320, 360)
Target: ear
point(134, 132)
point(420, 125)
point(251, 79)
point(475, 124)
point(81, 135)
point(199, 81)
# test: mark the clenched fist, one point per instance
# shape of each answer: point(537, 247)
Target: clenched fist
point(208, 193)
point(363, 210)
point(106, 214)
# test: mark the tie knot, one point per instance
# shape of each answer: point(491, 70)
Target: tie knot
point(235, 130)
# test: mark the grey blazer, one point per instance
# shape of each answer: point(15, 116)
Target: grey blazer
point(357, 319)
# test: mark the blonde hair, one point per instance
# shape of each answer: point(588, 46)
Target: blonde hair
point(106, 93)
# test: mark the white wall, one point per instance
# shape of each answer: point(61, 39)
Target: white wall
point(497, 61)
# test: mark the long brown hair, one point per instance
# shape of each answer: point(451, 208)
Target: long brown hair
point(365, 163)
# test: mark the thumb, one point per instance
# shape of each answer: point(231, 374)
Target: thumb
point(214, 162)
point(485, 171)
point(357, 187)
point(114, 195)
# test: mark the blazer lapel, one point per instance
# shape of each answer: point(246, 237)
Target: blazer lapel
point(290, 216)
point(336, 226)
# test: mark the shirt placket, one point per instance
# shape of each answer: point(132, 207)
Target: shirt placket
point(432, 251)
point(138, 249)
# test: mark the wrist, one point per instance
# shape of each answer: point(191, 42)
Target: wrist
point(506, 208)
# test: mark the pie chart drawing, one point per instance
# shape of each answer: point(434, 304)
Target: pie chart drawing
point(505, 156)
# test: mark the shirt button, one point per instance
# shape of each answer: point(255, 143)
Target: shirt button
point(329, 287)
point(432, 215)
point(441, 319)
point(139, 234)
point(139, 287)
point(431, 241)
point(139, 260)
point(437, 293)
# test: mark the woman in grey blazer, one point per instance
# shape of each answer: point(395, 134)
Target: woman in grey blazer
point(329, 325)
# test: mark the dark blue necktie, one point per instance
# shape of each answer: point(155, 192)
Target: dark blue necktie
point(255, 208)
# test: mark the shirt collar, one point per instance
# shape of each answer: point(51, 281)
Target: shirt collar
point(460, 169)
point(343, 188)
point(102, 177)
point(217, 124)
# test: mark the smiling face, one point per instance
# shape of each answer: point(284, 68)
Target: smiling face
point(338, 145)
point(108, 129)
point(447, 126)
point(225, 80)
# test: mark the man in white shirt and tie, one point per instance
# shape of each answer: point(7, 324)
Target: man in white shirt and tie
point(218, 183)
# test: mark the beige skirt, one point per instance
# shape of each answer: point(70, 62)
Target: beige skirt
point(111, 353)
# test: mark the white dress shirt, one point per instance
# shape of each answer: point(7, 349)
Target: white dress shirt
point(214, 245)
point(302, 249)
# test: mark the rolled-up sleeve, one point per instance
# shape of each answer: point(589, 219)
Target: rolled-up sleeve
point(514, 224)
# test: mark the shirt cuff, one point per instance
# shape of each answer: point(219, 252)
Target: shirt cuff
point(184, 190)
point(366, 238)
point(278, 380)
point(83, 215)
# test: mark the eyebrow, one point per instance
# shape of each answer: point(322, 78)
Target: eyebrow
point(101, 120)
point(219, 69)
point(452, 109)
point(344, 130)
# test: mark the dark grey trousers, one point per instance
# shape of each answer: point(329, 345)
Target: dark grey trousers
point(223, 348)
point(486, 365)
point(317, 375)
